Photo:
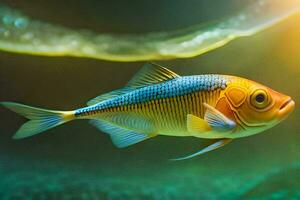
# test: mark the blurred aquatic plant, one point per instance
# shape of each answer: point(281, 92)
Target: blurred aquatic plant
point(19, 33)
point(53, 181)
point(280, 184)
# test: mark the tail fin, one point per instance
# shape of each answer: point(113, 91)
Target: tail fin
point(40, 120)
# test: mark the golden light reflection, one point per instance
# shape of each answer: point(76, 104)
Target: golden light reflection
point(20, 34)
point(288, 45)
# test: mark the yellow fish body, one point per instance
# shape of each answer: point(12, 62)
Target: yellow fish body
point(157, 101)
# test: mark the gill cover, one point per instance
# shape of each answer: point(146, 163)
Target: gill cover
point(236, 95)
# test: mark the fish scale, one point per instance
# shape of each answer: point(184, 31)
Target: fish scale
point(172, 88)
point(170, 102)
point(177, 87)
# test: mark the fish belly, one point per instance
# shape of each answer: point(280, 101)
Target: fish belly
point(165, 116)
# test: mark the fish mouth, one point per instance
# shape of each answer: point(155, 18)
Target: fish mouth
point(286, 108)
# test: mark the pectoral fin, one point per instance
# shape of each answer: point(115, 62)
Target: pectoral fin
point(216, 145)
point(196, 124)
point(217, 120)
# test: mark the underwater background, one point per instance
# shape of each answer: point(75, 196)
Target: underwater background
point(76, 161)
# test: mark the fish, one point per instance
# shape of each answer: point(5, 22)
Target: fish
point(157, 101)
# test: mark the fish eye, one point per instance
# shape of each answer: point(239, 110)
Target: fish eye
point(260, 99)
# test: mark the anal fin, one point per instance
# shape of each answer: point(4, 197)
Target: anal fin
point(121, 137)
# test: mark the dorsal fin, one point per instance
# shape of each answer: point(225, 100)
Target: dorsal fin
point(109, 95)
point(151, 73)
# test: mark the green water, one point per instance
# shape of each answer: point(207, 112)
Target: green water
point(76, 161)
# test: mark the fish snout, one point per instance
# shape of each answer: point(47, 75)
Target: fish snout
point(287, 106)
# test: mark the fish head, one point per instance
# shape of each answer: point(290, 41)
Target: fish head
point(256, 107)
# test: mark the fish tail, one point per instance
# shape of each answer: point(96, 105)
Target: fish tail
point(40, 120)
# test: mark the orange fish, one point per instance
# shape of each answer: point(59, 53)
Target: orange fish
point(157, 101)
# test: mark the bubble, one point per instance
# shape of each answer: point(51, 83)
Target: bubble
point(6, 33)
point(242, 17)
point(27, 36)
point(8, 20)
point(2, 30)
point(21, 23)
